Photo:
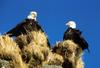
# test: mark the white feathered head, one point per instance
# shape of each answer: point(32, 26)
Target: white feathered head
point(32, 15)
point(71, 24)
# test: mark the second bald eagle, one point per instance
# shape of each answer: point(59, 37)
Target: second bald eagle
point(75, 35)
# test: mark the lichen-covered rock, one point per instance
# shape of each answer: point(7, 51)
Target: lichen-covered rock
point(5, 64)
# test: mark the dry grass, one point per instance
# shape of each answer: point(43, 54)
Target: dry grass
point(54, 59)
point(38, 37)
point(10, 52)
point(22, 41)
point(32, 51)
point(39, 56)
point(34, 48)
point(80, 63)
point(36, 51)
point(70, 51)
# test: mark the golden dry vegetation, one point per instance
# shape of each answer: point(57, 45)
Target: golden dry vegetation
point(32, 51)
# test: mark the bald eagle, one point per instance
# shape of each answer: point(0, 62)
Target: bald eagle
point(29, 24)
point(74, 34)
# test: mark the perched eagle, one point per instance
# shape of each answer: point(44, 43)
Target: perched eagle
point(73, 34)
point(29, 24)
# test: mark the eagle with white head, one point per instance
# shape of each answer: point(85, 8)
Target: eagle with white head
point(75, 35)
point(29, 24)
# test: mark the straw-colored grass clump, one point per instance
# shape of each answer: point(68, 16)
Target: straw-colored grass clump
point(10, 52)
point(71, 53)
point(32, 51)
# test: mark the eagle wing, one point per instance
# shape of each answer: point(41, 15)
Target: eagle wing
point(84, 43)
point(14, 30)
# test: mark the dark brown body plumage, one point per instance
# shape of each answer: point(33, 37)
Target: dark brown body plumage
point(22, 28)
point(25, 27)
point(75, 35)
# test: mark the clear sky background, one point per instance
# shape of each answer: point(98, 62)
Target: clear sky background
point(53, 15)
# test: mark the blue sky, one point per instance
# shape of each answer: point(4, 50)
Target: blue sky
point(52, 16)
